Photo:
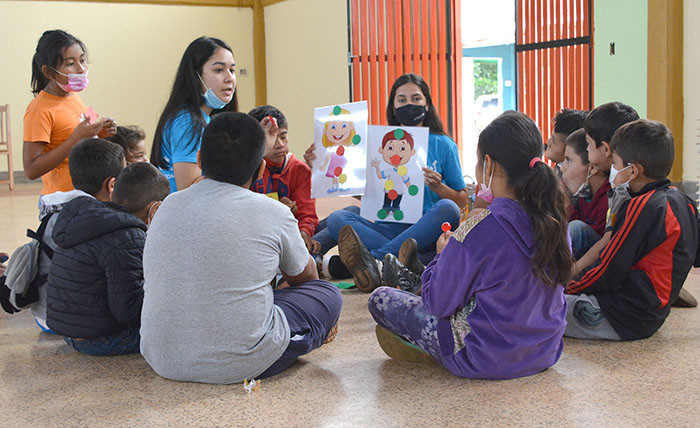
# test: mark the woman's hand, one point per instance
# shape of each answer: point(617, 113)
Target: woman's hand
point(109, 128)
point(432, 179)
point(310, 156)
point(442, 241)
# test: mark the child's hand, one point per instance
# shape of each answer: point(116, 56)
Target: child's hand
point(85, 129)
point(432, 179)
point(109, 128)
point(310, 156)
point(270, 127)
point(442, 241)
point(289, 203)
point(312, 245)
point(374, 163)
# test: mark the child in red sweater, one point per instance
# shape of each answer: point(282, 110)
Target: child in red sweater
point(288, 179)
point(589, 187)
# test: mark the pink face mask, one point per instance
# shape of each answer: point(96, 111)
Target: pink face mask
point(485, 192)
point(76, 82)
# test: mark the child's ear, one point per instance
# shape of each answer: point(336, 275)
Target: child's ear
point(45, 71)
point(637, 170)
point(606, 147)
point(108, 185)
point(413, 152)
point(380, 150)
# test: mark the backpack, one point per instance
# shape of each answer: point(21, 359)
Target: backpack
point(19, 287)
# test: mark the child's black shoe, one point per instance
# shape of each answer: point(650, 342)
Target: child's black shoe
point(395, 274)
point(408, 256)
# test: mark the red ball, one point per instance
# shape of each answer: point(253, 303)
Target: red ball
point(340, 151)
point(392, 194)
point(446, 226)
point(338, 170)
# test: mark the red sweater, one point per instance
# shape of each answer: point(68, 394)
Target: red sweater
point(291, 180)
point(592, 212)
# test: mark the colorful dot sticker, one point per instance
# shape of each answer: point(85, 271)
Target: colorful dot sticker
point(393, 194)
point(388, 185)
point(402, 170)
point(398, 134)
point(337, 110)
point(356, 139)
point(413, 190)
point(338, 171)
point(446, 226)
point(340, 151)
point(342, 178)
point(381, 214)
point(398, 215)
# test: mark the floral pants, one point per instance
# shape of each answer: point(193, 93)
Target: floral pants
point(403, 314)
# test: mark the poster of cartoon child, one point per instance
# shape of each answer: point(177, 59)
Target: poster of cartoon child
point(395, 183)
point(340, 139)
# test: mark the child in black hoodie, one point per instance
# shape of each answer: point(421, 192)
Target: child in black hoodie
point(95, 285)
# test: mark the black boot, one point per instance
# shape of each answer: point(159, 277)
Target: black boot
point(394, 274)
point(408, 256)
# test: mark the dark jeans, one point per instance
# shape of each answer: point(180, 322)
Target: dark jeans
point(124, 342)
point(323, 235)
point(312, 309)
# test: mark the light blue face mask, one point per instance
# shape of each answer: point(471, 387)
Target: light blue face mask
point(210, 98)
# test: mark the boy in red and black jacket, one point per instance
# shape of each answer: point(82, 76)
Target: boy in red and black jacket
point(628, 293)
point(288, 179)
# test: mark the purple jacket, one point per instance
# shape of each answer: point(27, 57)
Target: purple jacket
point(496, 319)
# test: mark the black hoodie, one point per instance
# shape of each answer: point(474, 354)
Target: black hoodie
point(95, 285)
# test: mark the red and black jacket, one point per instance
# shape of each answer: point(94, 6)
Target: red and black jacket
point(642, 269)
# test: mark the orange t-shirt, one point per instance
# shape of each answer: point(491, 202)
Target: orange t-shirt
point(52, 119)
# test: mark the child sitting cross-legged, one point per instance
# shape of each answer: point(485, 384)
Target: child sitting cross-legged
point(95, 284)
point(628, 292)
point(492, 303)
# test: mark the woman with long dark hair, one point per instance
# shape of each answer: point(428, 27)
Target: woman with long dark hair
point(410, 104)
point(492, 303)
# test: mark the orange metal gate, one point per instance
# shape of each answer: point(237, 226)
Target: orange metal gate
point(391, 37)
point(554, 54)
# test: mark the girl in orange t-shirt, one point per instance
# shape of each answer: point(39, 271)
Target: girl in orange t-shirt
point(55, 119)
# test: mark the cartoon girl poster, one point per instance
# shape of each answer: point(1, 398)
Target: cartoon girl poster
point(340, 138)
point(395, 184)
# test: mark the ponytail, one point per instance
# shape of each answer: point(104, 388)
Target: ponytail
point(514, 141)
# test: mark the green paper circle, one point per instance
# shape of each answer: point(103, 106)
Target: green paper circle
point(413, 190)
point(337, 110)
point(356, 139)
point(398, 134)
point(381, 214)
point(398, 215)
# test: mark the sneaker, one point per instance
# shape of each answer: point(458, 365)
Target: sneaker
point(685, 300)
point(399, 349)
point(358, 260)
point(408, 256)
point(395, 274)
point(334, 268)
point(331, 334)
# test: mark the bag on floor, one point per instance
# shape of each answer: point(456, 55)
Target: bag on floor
point(21, 282)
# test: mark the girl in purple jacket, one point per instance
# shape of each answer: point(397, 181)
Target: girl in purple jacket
point(492, 303)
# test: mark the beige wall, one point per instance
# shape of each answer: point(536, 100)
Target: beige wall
point(307, 62)
point(691, 90)
point(133, 51)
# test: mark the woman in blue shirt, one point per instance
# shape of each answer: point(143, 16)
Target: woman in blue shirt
point(205, 83)
point(410, 104)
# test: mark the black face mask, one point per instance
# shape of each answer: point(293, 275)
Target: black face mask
point(410, 114)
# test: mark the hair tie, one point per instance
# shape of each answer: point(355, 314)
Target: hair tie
point(534, 161)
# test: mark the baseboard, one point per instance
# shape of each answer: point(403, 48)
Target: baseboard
point(19, 177)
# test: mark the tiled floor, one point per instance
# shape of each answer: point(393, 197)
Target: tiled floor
point(348, 383)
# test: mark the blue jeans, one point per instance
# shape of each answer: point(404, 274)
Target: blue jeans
point(323, 235)
point(125, 342)
point(583, 237)
point(403, 314)
point(384, 237)
point(312, 309)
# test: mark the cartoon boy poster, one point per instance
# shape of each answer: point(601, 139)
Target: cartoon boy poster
point(340, 139)
point(395, 183)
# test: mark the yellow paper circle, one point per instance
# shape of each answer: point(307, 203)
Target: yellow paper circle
point(402, 170)
point(388, 185)
point(343, 178)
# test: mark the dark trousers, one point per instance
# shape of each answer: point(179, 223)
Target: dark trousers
point(312, 309)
